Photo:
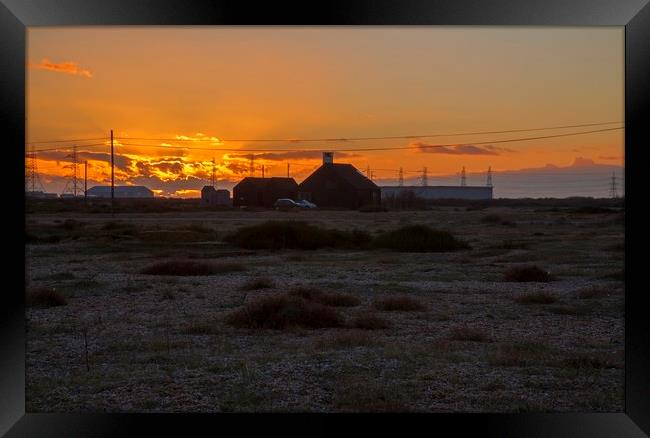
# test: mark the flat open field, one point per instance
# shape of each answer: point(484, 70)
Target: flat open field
point(467, 340)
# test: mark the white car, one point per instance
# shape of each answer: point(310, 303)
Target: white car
point(306, 204)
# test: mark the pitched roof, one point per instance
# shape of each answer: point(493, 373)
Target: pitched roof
point(347, 172)
point(277, 182)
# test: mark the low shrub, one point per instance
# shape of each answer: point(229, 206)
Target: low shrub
point(526, 274)
point(419, 238)
point(44, 297)
point(398, 303)
point(190, 268)
point(258, 283)
point(283, 312)
point(370, 322)
point(277, 235)
point(465, 333)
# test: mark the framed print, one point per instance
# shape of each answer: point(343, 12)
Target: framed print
point(402, 215)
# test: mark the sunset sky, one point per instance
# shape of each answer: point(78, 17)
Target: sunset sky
point(157, 85)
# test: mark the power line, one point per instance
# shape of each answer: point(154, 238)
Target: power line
point(393, 148)
point(344, 139)
point(67, 148)
point(74, 140)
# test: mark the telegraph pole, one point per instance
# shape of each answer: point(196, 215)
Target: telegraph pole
point(425, 178)
point(112, 174)
point(288, 164)
point(401, 177)
point(213, 173)
point(262, 171)
point(463, 178)
point(368, 171)
point(489, 177)
point(613, 192)
point(85, 180)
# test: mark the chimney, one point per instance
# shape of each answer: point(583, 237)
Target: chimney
point(328, 157)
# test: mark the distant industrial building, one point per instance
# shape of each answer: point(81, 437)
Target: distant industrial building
point(120, 192)
point(210, 197)
point(40, 195)
point(263, 192)
point(437, 192)
point(339, 185)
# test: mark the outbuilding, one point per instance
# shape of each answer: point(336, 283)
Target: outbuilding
point(263, 192)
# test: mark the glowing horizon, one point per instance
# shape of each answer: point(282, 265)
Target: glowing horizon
point(221, 83)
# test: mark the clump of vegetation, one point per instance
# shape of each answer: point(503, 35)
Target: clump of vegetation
point(399, 303)
point(201, 328)
point(283, 312)
point(592, 361)
point(541, 297)
point(258, 283)
point(511, 244)
point(465, 333)
point(370, 322)
point(44, 297)
point(493, 218)
point(277, 235)
point(526, 274)
point(325, 298)
point(190, 268)
point(419, 238)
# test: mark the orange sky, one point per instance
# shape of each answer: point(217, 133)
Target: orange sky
point(296, 83)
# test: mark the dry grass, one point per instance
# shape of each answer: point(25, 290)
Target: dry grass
point(190, 268)
point(536, 298)
point(465, 333)
point(258, 283)
point(44, 297)
point(526, 274)
point(402, 303)
point(284, 312)
point(370, 322)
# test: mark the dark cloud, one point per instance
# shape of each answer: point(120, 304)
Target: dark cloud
point(461, 149)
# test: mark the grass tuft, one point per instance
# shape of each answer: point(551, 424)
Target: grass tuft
point(370, 322)
point(284, 312)
point(465, 333)
point(403, 303)
point(258, 283)
point(190, 268)
point(526, 274)
point(419, 238)
point(44, 297)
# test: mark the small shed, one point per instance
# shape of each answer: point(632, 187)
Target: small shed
point(263, 192)
point(211, 197)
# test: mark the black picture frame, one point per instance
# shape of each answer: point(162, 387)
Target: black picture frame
point(16, 15)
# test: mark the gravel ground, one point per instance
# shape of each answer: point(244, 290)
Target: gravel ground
point(161, 343)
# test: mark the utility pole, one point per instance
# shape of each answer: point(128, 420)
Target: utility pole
point(85, 180)
point(213, 173)
point(613, 192)
point(368, 171)
point(372, 175)
point(425, 178)
point(463, 178)
point(401, 177)
point(252, 166)
point(74, 165)
point(262, 171)
point(288, 164)
point(489, 177)
point(112, 174)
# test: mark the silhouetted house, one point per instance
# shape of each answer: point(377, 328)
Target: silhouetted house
point(339, 185)
point(211, 197)
point(120, 192)
point(263, 192)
